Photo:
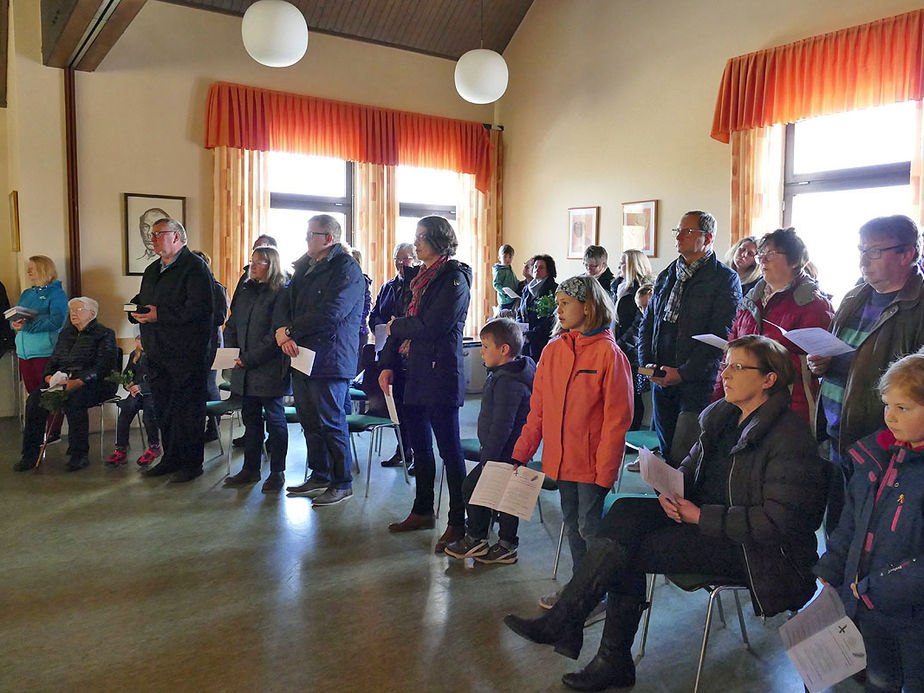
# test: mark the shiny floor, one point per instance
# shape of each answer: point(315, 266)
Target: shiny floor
point(113, 582)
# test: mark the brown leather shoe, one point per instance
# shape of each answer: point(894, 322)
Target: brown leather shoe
point(451, 534)
point(412, 522)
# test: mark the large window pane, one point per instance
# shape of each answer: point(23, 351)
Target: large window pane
point(426, 185)
point(307, 175)
point(828, 223)
point(858, 138)
point(289, 227)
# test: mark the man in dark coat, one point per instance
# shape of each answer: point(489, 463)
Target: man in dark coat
point(177, 323)
point(321, 311)
point(696, 294)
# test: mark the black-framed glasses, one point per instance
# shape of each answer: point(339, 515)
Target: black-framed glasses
point(723, 366)
point(876, 253)
point(160, 234)
point(678, 232)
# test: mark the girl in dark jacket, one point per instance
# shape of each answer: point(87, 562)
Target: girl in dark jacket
point(875, 557)
point(139, 399)
point(423, 354)
point(754, 496)
point(261, 374)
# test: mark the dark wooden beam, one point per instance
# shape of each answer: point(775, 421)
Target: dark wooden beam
point(114, 28)
point(4, 47)
point(73, 209)
point(80, 33)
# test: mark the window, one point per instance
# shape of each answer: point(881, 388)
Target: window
point(840, 171)
point(424, 192)
point(300, 187)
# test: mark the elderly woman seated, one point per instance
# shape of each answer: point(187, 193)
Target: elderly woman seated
point(85, 354)
point(754, 494)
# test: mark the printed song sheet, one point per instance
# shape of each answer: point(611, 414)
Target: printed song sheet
point(510, 490)
point(510, 292)
point(381, 336)
point(390, 403)
point(660, 475)
point(224, 358)
point(823, 643)
point(711, 340)
point(815, 341)
point(304, 361)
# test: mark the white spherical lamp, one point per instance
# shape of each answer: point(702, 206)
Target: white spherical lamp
point(481, 76)
point(275, 33)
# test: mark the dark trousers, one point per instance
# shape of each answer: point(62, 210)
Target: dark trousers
point(675, 419)
point(397, 386)
point(78, 422)
point(837, 488)
point(581, 513)
point(257, 412)
point(479, 517)
point(31, 371)
point(128, 410)
point(319, 402)
point(443, 424)
point(894, 650)
point(180, 395)
point(657, 544)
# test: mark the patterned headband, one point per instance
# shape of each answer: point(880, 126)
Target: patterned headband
point(575, 288)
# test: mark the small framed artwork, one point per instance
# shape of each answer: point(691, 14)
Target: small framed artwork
point(583, 225)
point(640, 226)
point(141, 212)
point(14, 222)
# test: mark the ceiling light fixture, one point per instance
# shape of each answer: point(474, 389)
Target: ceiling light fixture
point(481, 74)
point(275, 33)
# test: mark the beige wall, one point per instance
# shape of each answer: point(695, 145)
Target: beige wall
point(612, 102)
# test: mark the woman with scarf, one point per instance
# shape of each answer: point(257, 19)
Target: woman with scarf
point(423, 356)
point(540, 326)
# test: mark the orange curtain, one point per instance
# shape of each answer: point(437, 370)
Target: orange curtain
point(864, 66)
point(260, 119)
point(756, 181)
point(240, 209)
point(375, 214)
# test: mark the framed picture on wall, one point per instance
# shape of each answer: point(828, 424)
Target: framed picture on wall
point(583, 225)
point(640, 226)
point(141, 211)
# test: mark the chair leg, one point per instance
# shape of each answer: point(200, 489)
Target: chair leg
point(140, 422)
point(718, 601)
point(230, 439)
point(622, 469)
point(650, 599)
point(539, 506)
point(744, 630)
point(702, 650)
point(561, 538)
point(369, 463)
point(354, 469)
point(439, 498)
point(407, 478)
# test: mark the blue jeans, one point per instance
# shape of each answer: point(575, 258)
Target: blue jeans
point(443, 422)
point(128, 410)
point(479, 517)
point(319, 402)
point(581, 513)
point(893, 652)
point(255, 411)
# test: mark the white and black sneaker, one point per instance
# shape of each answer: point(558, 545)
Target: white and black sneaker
point(467, 547)
point(499, 554)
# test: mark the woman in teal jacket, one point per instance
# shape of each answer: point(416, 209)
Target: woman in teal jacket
point(37, 336)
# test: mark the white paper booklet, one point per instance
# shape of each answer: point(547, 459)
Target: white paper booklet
point(510, 292)
point(224, 358)
point(660, 475)
point(711, 340)
point(304, 361)
point(510, 490)
point(823, 643)
point(390, 403)
point(815, 341)
point(381, 336)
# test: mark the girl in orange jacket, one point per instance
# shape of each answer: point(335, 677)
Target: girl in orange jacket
point(580, 409)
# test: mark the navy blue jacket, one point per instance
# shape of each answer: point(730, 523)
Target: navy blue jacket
point(436, 375)
point(388, 303)
point(708, 306)
point(504, 407)
point(323, 307)
point(250, 328)
point(892, 573)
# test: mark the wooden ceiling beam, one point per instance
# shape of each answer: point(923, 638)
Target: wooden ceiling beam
point(4, 48)
point(78, 34)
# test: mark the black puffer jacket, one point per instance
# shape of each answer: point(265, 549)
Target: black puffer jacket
point(250, 328)
point(436, 375)
point(504, 407)
point(540, 328)
point(776, 492)
point(89, 355)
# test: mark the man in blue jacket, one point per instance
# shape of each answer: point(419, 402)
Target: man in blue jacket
point(321, 311)
point(696, 294)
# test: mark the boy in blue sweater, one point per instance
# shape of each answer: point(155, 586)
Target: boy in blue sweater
point(875, 557)
point(504, 407)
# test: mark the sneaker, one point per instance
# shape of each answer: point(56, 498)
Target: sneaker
point(549, 600)
point(310, 488)
point(393, 461)
point(597, 614)
point(498, 554)
point(148, 456)
point(633, 467)
point(467, 547)
point(116, 458)
point(332, 496)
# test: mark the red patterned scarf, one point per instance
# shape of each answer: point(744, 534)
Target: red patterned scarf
point(419, 285)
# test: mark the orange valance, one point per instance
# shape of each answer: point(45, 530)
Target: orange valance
point(245, 117)
point(864, 66)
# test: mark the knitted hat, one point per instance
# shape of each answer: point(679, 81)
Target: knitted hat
point(575, 288)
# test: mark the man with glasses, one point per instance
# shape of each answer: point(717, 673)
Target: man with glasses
point(595, 258)
point(696, 294)
point(177, 322)
point(321, 310)
point(883, 319)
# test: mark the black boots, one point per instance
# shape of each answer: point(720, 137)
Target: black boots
point(613, 666)
point(563, 625)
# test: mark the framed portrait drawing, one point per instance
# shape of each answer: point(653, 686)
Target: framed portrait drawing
point(583, 225)
point(640, 226)
point(141, 211)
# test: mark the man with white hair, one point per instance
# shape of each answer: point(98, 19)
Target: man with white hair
point(85, 354)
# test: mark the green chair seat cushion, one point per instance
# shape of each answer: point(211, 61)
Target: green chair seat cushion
point(356, 393)
point(613, 497)
point(363, 422)
point(291, 415)
point(642, 439)
point(690, 582)
point(471, 449)
point(225, 385)
point(222, 406)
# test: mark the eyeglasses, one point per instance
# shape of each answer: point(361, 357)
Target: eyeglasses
point(160, 234)
point(767, 255)
point(723, 366)
point(260, 264)
point(876, 253)
point(684, 232)
point(316, 233)
point(591, 265)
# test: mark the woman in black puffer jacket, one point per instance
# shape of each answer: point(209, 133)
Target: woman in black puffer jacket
point(754, 494)
point(261, 376)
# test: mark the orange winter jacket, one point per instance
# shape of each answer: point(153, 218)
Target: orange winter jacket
point(581, 408)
